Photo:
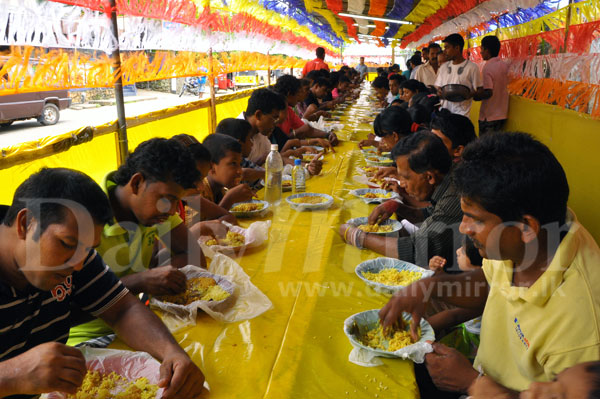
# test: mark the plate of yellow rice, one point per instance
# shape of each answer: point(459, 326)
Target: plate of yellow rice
point(388, 275)
point(389, 227)
point(365, 332)
point(374, 195)
point(309, 201)
point(249, 209)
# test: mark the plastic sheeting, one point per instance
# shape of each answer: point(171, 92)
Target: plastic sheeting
point(298, 349)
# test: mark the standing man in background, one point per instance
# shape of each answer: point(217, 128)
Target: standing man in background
point(494, 97)
point(458, 70)
point(427, 73)
point(362, 69)
point(316, 64)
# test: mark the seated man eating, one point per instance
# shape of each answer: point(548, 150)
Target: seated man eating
point(48, 267)
point(423, 165)
point(538, 288)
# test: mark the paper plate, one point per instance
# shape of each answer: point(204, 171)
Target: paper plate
point(250, 214)
point(378, 264)
point(362, 191)
point(356, 326)
point(377, 160)
point(307, 206)
point(396, 225)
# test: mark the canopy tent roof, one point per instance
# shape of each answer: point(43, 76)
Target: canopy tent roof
point(335, 23)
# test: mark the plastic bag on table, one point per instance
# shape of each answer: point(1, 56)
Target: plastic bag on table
point(246, 302)
point(357, 325)
point(255, 235)
point(128, 364)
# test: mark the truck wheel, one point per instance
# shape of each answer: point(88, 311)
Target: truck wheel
point(6, 124)
point(50, 115)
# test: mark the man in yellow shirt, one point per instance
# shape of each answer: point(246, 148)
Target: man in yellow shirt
point(539, 286)
point(144, 195)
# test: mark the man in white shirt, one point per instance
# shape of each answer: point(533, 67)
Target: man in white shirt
point(458, 70)
point(427, 73)
point(362, 68)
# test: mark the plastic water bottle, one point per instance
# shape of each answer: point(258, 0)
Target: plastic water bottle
point(298, 177)
point(273, 172)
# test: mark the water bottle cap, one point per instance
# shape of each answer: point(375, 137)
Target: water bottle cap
point(297, 162)
point(274, 147)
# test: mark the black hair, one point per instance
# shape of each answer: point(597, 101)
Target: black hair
point(455, 40)
point(304, 81)
point(458, 128)
point(287, 85)
point(381, 82)
point(472, 252)
point(199, 152)
point(511, 175)
point(435, 45)
point(265, 100)
point(426, 152)
point(161, 160)
point(320, 52)
point(392, 119)
point(334, 78)
point(395, 67)
point(594, 370)
point(321, 82)
point(219, 144)
point(396, 101)
point(425, 50)
point(239, 129)
point(419, 114)
point(397, 77)
point(413, 85)
point(343, 79)
point(492, 44)
point(312, 75)
point(416, 60)
point(54, 184)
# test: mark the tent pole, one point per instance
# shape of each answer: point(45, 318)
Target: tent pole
point(268, 69)
point(212, 117)
point(121, 137)
point(567, 26)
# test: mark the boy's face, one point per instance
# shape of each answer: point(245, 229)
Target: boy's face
point(320, 91)
point(153, 202)
point(247, 146)
point(49, 259)
point(342, 87)
point(228, 172)
point(388, 142)
point(266, 122)
point(407, 94)
point(493, 238)
point(394, 86)
point(417, 185)
point(451, 51)
point(381, 92)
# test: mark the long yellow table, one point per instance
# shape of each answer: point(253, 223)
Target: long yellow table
point(298, 348)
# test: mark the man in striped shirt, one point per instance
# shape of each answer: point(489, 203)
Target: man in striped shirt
point(423, 165)
point(48, 267)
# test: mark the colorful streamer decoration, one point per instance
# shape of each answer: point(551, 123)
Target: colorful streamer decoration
point(28, 69)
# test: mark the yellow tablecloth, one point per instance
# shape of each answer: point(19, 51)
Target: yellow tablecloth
point(298, 348)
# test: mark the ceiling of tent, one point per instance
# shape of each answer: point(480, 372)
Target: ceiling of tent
point(423, 20)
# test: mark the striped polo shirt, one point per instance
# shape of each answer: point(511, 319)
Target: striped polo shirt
point(33, 317)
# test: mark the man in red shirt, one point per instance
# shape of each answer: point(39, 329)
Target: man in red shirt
point(317, 63)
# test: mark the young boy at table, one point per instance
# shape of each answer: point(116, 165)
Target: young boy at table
point(318, 90)
point(241, 130)
point(294, 128)
point(456, 131)
point(144, 195)
point(538, 288)
point(223, 184)
point(201, 216)
point(49, 271)
point(262, 112)
point(423, 166)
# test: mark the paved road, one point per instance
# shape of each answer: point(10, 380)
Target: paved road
point(71, 119)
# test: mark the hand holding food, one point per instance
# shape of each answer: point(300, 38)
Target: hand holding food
point(239, 193)
point(163, 280)
point(315, 166)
